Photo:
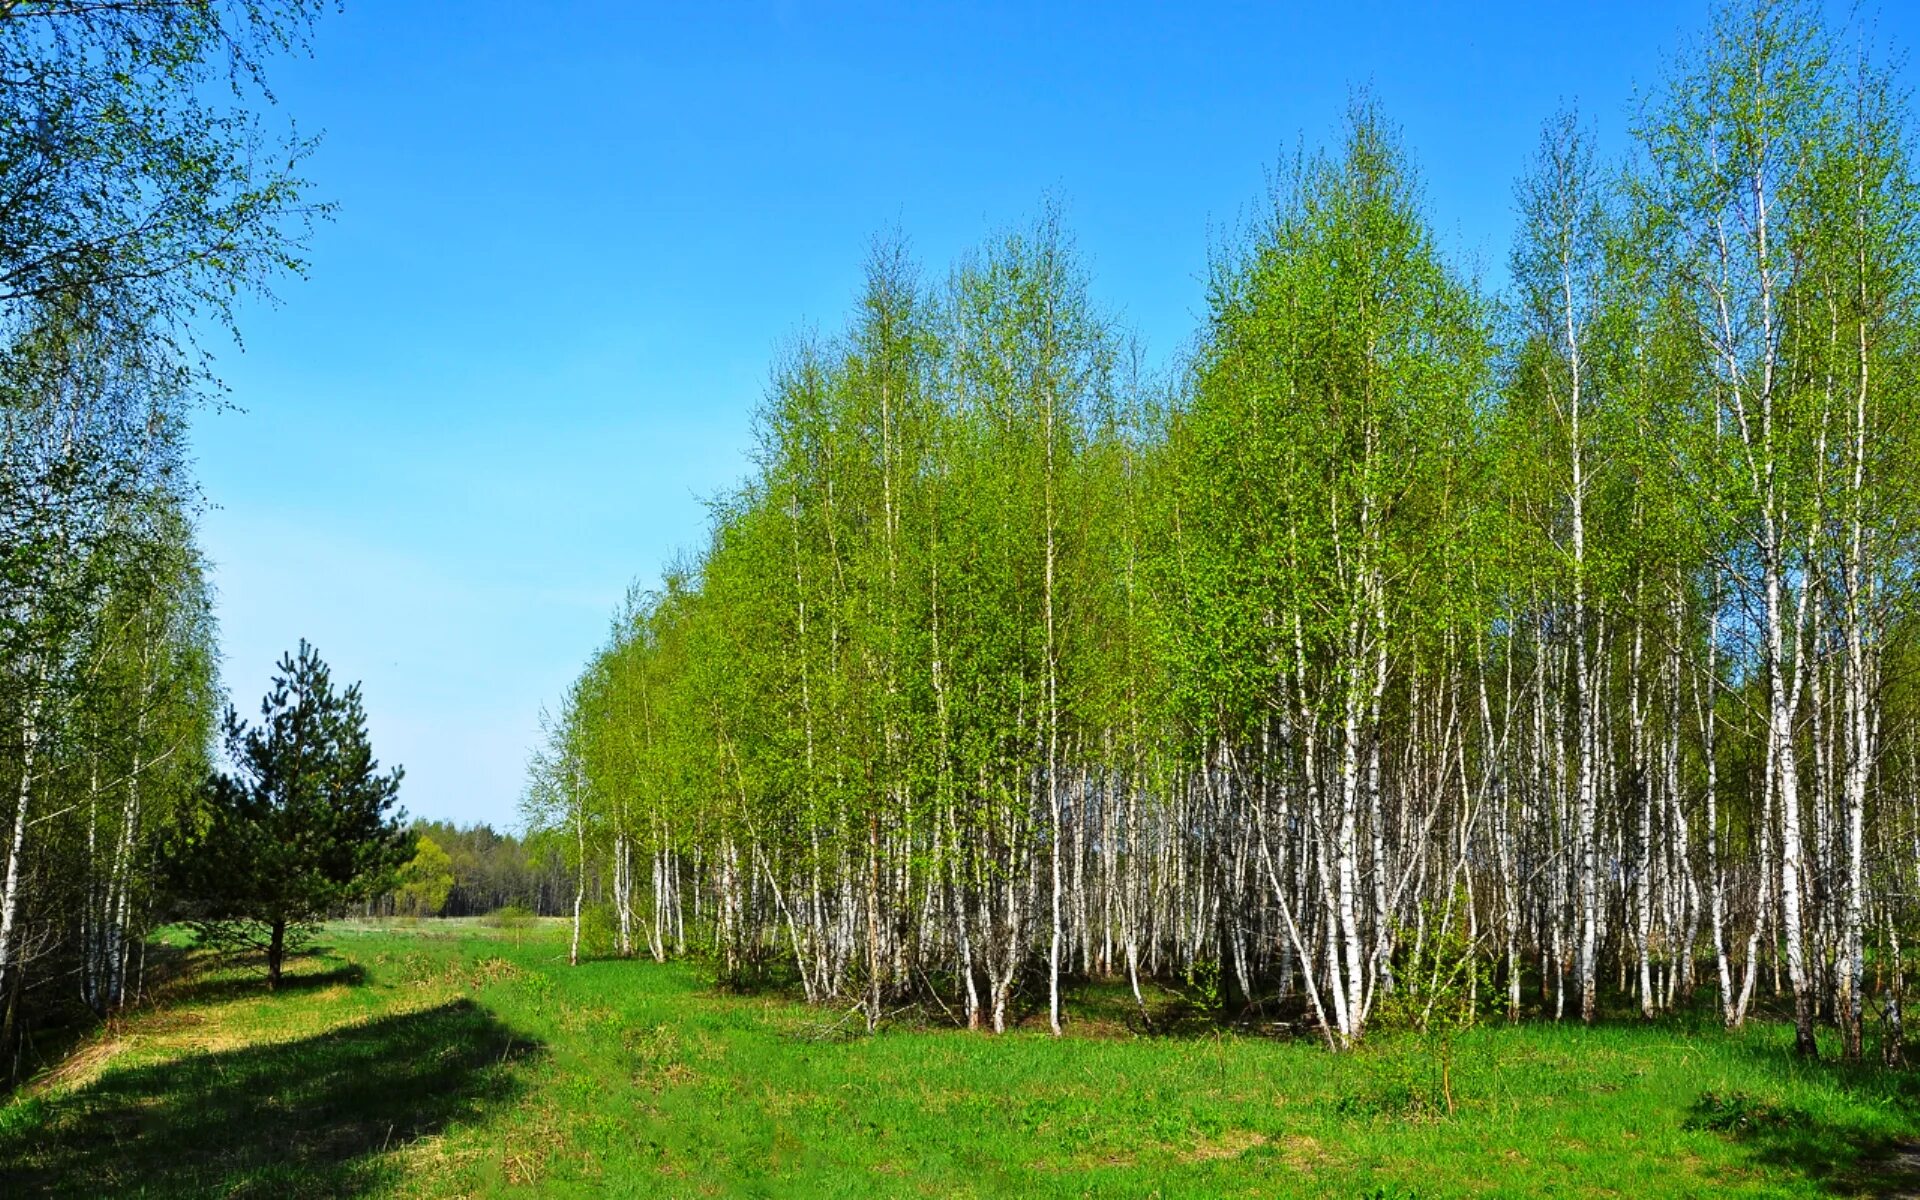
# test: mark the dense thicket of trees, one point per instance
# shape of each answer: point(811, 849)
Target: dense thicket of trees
point(1575, 624)
point(141, 195)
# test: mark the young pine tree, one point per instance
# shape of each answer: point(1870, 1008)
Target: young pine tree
point(302, 826)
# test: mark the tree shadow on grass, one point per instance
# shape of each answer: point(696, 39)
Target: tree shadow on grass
point(1845, 1156)
point(218, 989)
point(309, 1118)
point(1105, 1006)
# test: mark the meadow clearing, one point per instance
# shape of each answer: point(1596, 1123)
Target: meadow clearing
point(456, 1059)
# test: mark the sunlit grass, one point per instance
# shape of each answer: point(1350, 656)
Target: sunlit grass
point(450, 1060)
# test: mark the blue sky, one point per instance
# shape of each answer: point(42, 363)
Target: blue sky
point(571, 235)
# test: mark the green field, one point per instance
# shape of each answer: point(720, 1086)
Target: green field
point(454, 1060)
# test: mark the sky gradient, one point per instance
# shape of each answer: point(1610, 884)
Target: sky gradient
point(570, 238)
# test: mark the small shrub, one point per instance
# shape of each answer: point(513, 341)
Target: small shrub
point(1204, 978)
point(511, 919)
point(599, 931)
point(1439, 985)
point(1738, 1112)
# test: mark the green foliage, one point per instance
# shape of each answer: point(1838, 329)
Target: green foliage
point(999, 631)
point(1393, 1092)
point(491, 870)
point(599, 931)
point(302, 827)
point(426, 879)
point(1439, 986)
point(1441, 977)
point(1203, 984)
point(1006, 653)
point(146, 193)
point(155, 185)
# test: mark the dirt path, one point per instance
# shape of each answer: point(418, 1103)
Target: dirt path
point(1899, 1174)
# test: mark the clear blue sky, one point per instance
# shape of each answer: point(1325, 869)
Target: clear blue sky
point(571, 234)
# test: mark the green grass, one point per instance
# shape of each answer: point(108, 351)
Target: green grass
point(454, 1060)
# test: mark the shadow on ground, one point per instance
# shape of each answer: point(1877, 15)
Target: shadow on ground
point(219, 989)
point(308, 1118)
point(1846, 1157)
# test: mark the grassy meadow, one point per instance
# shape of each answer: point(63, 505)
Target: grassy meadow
point(453, 1059)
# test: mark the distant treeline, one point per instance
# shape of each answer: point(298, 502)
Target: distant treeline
point(487, 871)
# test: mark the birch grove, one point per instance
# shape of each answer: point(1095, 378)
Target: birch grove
point(1572, 624)
point(108, 634)
point(142, 195)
